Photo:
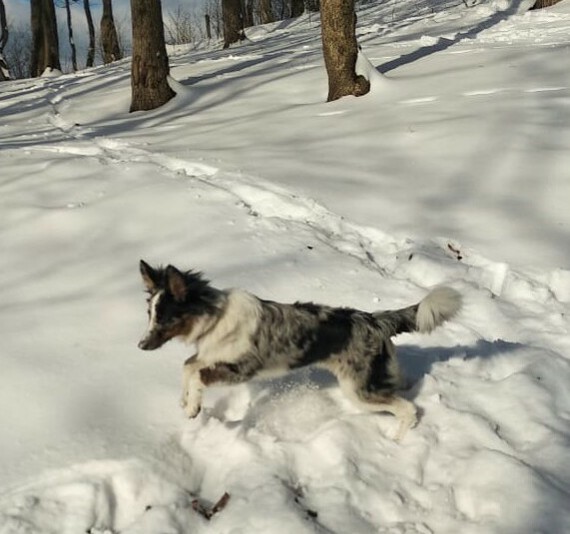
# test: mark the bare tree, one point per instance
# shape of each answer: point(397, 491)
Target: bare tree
point(18, 51)
point(247, 7)
point(539, 4)
point(314, 6)
point(207, 20)
point(149, 70)
point(340, 49)
point(266, 11)
point(233, 22)
point(45, 44)
point(4, 71)
point(91, 28)
point(179, 26)
point(109, 39)
point(67, 6)
point(297, 8)
point(213, 9)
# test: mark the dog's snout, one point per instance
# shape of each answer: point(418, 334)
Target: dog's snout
point(150, 342)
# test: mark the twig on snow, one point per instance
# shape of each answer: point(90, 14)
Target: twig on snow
point(207, 513)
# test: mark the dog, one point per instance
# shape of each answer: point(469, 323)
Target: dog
point(239, 336)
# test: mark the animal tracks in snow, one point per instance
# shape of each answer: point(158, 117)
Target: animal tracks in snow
point(260, 198)
point(278, 207)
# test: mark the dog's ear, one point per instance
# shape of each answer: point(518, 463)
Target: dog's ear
point(176, 283)
point(149, 276)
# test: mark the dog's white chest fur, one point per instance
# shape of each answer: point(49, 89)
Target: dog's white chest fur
point(231, 335)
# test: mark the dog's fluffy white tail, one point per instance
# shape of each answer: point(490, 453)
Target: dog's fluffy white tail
point(437, 307)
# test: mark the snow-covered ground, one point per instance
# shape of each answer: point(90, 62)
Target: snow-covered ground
point(454, 170)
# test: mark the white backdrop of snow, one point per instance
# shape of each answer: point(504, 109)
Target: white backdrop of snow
point(453, 170)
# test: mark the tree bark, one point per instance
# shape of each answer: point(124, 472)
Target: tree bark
point(313, 6)
point(109, 39)
point(248, 14)
point(208, 27)
point(266, 11)
point(45, 47)
point(150, 70)
point(297, 8)
point(539, 4)
point(91, 28)
point(340, 49)
point(233, 22)
point(4, 71)
point(70, 35)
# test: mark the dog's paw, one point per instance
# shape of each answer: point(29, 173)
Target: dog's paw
point(185, 398)
point(192, 411)
point(406, 423)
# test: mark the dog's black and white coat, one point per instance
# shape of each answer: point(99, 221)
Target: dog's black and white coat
point(239, 336)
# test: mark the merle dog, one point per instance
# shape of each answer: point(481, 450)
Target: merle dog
point(239, 336)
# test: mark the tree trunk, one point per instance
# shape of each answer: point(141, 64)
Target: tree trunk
point(313, 6)
point(233, 22)
point(340, 49)
point(539, 4)
point(109, 39)
point(208, 27)
point(248, 14)
point(297, 8)
point(4, 71)
point(70, 34)
point(91, 27)
point(266, 11)
point(149, 72)
point(45, 47)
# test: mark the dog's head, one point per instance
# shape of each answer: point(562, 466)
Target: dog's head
point(178, 303)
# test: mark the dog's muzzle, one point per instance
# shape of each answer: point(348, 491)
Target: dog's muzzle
point(151, 341)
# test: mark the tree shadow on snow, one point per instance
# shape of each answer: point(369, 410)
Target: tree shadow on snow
point(443, 43)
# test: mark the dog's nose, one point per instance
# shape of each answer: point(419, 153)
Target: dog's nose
point(150, 342)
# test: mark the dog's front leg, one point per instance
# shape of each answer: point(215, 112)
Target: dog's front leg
point(229, 373)
point(192, 387)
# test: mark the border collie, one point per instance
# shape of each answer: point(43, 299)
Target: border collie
point(238, 336)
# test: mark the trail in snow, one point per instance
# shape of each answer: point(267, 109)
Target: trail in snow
point(274, 201)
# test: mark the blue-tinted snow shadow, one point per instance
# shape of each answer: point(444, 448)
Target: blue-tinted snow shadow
point(444, 43)
point(417, 362)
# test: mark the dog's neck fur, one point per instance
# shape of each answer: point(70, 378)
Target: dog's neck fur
point(226, 336)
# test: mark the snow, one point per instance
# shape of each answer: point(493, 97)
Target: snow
point(452, 171)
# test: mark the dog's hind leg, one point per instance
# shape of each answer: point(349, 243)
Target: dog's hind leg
point(402, 409)
point(367, 398)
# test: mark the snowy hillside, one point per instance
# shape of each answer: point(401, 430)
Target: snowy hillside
point(454, 170)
